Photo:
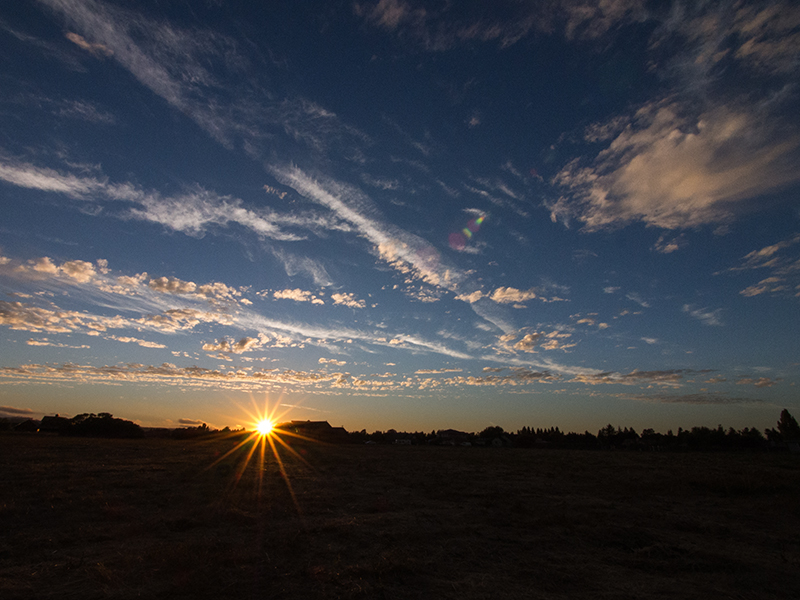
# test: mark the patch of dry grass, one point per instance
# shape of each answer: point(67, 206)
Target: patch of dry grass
point(87, 519)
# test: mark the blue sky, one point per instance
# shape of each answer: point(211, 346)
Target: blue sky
point(401, 214)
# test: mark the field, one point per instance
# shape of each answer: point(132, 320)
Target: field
point(88, 518)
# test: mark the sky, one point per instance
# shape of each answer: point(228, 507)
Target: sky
point(401, 214)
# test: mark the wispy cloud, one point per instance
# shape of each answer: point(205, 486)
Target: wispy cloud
point(782, 261)
point(704, 315)
point(96, 49)
point(701, 398)
point(442, 27)
point(13, 411)
point(193, 212)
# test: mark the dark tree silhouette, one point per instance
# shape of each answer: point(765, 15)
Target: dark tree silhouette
point(492, 432)
point(788, 427)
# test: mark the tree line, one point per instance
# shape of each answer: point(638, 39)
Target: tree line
point(608, 437)
point(782, 436)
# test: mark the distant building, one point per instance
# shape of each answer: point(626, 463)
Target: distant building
point(450, 437)
point(55, 424)
point(315, 430)
point(29, 426)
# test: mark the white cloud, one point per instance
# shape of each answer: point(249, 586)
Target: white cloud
point(436, 28)
point(95, 49)
point(782, 261)
point(25, 317)
point(332, 361)
point(348, 300)
point(510, 295)
point(407, 253)
point(81, 271)
point(132, 340)
point(193, 211)
point(671, 170)
point(667, 245)
point(297, 295)
point(704, 315)
point(471, 298)
point(635, 297)
point(172, 285)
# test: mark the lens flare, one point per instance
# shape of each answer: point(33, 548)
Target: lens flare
point(458, 239)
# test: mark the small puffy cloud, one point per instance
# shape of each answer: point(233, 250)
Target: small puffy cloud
point(510, 295)
point(332, 361)
point(245, 344)
point(172, 285)
point(217, 291)
point(44, 265)
point(191, 422)
point(349, 300)
point(534, 341)
point(528, 342)
point(649, 340)
point(760, 382)
point(471, 298)
point(611, 289)
point(126, 284)
point(78, 270)
point(222, 345)
point(297, 295)
point(81, 271)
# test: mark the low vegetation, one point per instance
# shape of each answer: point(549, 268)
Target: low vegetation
point(191, 518)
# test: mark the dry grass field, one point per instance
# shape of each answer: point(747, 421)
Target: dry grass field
point(88, 518)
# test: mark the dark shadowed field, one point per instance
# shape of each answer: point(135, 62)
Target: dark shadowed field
point(88, 518)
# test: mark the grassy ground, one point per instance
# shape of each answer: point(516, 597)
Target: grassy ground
point(84, 518)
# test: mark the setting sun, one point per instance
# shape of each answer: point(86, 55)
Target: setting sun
point(264, 427)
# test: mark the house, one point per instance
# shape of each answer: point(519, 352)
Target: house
point(450, 437)
point(29, 426)
point(317, 430)
point(54, 424)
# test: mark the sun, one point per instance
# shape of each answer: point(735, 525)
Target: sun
point(264, 427)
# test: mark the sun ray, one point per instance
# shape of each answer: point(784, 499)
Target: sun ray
point(266, 428)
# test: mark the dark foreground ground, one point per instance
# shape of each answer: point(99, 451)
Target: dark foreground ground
point(84, 518)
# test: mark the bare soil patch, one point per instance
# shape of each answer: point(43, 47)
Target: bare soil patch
point(88, 518)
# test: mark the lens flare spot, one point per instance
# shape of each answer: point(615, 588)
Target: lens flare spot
point(458, 239)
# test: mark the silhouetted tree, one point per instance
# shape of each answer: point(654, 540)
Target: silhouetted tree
point(492, 432)
point(103, 425)
point(788, 427)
